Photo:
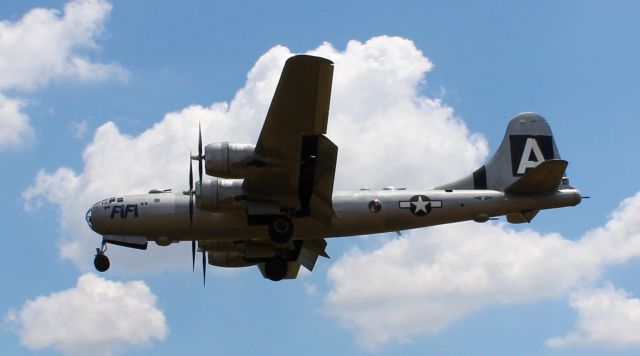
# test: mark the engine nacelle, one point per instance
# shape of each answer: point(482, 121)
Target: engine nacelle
point(246, 249)
point(228, 259)
point(220, 194)
point(229, 160)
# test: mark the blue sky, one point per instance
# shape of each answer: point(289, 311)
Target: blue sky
point(464, 68)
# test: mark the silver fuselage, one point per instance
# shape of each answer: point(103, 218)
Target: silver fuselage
point(165, 216)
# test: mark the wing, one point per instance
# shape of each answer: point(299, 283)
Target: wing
point(300, 106)
point(298, 160)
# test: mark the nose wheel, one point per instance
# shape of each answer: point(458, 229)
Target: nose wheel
point(101, 261)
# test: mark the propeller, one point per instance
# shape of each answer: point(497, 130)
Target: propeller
point(191, 192)
point(204, 268)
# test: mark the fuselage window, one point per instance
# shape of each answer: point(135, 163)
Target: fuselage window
point(120, 200)
point(156, 200)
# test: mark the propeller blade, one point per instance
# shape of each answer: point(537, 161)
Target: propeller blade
point(190, 174)
point(199, 140)
point(200, 156)
point(193, 255)
point(191, 209)
point(200, 170)
point(190, 193)
point(204, 268)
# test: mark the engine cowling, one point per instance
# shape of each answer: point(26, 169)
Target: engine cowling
point(220, 194)
point(228, 259)
point(236, 254)
point(230, 160)
point(247, 249)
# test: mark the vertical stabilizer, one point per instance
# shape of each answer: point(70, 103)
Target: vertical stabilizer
point(527, 143)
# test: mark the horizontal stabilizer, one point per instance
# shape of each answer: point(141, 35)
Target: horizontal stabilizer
point(544, 179)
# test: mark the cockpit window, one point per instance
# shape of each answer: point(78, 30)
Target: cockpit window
point(105, 202)
point(111, 200)
point(120, 200)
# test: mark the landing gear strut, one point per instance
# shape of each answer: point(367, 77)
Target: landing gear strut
point(281, 229)
point(276, 268)
point(101, 261)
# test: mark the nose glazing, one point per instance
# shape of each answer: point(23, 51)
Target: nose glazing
point(87, 217)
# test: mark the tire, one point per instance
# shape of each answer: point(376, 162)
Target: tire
point(101, 263)
point(276, 268)
point(281, 230)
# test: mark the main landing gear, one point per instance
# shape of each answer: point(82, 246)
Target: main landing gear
point(280, 229)
point(101, 261)
point(276, 268)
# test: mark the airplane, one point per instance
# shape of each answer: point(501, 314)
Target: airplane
point(272, 204)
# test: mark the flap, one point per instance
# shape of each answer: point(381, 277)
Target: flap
point(316, 178)
point(310, 251)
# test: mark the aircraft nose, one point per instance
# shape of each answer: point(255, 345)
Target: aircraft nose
point(88, 217)
point(94, 217)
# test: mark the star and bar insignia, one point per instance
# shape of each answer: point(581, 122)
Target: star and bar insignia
point(420, 205)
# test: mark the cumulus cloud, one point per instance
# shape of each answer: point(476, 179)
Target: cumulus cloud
point(96, 317)
point(375, 99)
point(43, 45)
point(47, 43)
point(14, 124)
point(607, 317)
point(436, 276)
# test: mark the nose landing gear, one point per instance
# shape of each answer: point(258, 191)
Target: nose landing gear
point(101, 261)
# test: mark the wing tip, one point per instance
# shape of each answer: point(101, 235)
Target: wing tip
point(300, 58)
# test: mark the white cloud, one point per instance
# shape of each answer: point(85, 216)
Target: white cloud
point(375, 100)
point(47, 43)
point(15, 130)
point(438, 275)
point(43, 45)
point(97, 317)
point(606, 317)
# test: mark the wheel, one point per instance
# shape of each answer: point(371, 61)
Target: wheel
point(276, 268)
point(101, 262)
point(281, 230)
